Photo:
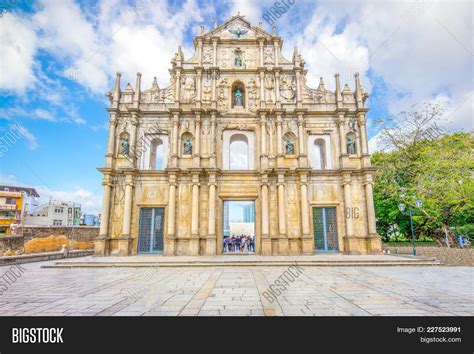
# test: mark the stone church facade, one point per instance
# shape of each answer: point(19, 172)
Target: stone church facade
point(170, 161)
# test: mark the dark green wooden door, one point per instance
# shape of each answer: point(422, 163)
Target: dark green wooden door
point(150, 233)
point(325, 229)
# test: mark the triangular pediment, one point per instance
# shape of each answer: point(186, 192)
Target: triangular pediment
point(237, 28)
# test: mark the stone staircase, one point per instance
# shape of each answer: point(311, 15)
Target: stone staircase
point(335, 260)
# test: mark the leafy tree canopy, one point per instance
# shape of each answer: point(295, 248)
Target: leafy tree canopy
point(426, 163)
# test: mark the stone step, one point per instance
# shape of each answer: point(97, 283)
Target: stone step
point(242, 263)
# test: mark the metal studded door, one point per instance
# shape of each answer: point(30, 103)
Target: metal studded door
point(325, 229)
point(150, 233)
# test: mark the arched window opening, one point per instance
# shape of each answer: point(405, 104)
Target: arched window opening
point(238, 94)
point(319, 154)
point(351, 144)
point(238, 152)
point(157, 155)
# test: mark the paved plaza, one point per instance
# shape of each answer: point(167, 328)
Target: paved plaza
point(239, 291)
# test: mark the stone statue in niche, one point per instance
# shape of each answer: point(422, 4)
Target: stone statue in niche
point(124, 146)
point(289, 146)
point(187, 146)
point(351, 145)
point(238, 97)
point(238, 60)
point(268, 56)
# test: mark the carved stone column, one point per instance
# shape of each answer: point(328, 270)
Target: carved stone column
point(127, 207)
point(197, 141)
point(364, 140)
point(199, 85)
point(351, 242)
point(213, 93)
point(374, 243)
point(213, 142)
point(199, 49)
point(283, 240)
point(137, 95)
point(348, 203)
point(193, 249)
point(178, 86)
point(307, 245)
point(174, 141)
point(266, 243)
point(369, 198)
point(277, 89)
point(298, 88)
point(214, 51)
point(260, 43)
point(101, 243)
point(117, 92)
point(263, 136)
point(344, 158)
point(125, 239)
point(303, 156)
point(304, 205)
point(133, 141)
point(109, 156)
point(170, 244)
point(279, 138)
point(211, 241)
point(277, 52)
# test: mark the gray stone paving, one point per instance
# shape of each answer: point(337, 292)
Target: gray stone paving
point(220, 291)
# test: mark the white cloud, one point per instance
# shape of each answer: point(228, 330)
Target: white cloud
point(43, 114)
point(11, 180)
point(29, 137)
point(420, 50)
point(18, 45)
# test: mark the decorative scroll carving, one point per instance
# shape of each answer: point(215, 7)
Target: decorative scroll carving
point(253, 95)
point(268, 56)
point(288, 88)
point(207, 55)
point(157, 95)
point(222, 94)
point(207, 91)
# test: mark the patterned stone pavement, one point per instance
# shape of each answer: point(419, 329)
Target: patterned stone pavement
point(209, 291)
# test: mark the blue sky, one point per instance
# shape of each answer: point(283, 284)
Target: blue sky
point(58, 58)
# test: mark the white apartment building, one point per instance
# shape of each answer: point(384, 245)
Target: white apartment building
point(54, 213)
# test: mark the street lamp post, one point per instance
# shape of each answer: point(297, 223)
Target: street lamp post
point(402, 207)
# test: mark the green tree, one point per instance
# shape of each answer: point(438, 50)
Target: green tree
point(439, 170)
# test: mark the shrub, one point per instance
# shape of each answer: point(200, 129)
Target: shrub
point(425, 239)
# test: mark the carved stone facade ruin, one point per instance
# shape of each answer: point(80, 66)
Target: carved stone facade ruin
point(167, 159)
